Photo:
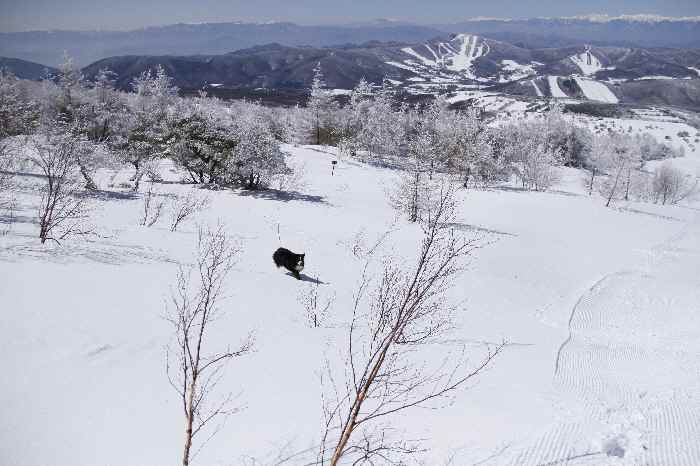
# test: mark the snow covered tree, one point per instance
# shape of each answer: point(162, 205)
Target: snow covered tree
point(618, 155)
point(138, 140)
point(104, 105)
point(201, 144)
point(532, 160)
point(670, 185)
point(155, 90)
point(140, 134)
point(466, 149)
point(257, 156)
point(321, 106)
point(18, 113)
point(383, 132)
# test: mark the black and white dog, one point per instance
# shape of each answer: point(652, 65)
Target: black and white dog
point(290, 261)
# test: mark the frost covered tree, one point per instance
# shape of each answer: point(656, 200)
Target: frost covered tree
point(397, 315)
point(532, 160)
point(61, 210)
point(18, 113)
point(103, 107)
point(139, 135)
point(413, 192)
point(138, 141)
point(670, 185)
point(618, 155)
point(383, 131)
point(560, 135)
point(466, 148)
point(200, 143)
point(155, 90)
point(193, 311)
point(257, 157)
point(321, 106)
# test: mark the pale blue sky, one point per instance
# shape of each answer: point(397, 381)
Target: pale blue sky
point(20, 15)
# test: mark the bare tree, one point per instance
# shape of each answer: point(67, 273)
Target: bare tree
point(315, 306)
point(61, 210)
point(192, 314)
point(395, 317)
point(186, 206)
point(152, 208)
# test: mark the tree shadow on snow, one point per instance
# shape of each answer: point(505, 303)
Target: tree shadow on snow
point(283, 196)
point(306, 278)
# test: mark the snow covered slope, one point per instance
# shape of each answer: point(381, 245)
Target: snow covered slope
point(588, 62)
point(599, 304)
point(554, 88)
point(456, 55)
point(595, 90)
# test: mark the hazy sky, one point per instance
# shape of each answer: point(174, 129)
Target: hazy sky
point(22, 15)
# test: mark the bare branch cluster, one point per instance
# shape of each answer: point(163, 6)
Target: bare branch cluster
point(152, 208)
point(316, 307)
point(395, 315)
point(185, 207)
point(62, 209)
point(193, 310)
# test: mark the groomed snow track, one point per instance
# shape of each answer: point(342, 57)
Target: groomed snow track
point(630, 368)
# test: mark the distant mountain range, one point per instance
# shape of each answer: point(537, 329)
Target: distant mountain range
point(451, 64)
point(219, 38)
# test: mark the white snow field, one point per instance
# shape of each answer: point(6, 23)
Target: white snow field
point(456, 55)
point(554, 89)
point(587, 62)
point(595, 90)
point(600, 306)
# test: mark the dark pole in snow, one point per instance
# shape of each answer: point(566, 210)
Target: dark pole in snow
point(333, 164)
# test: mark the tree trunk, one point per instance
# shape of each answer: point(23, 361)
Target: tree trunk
point(614, 187)
point(188, 424)
point(90, 184)
point(590, 186)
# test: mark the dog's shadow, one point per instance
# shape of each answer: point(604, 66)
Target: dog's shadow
point(306, 278)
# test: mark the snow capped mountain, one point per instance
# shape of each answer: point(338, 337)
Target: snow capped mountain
point(456, 55)
point(638, 18)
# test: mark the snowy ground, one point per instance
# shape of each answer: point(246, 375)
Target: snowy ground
point(595, 90)
point(599, 304)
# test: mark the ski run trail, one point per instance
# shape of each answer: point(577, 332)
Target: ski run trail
point(631, 365)
point(599, 306)
point(595, 90)
point(554, 89)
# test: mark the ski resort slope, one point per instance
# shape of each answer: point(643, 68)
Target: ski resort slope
point(599, 306)
point(595, 90)
point(554, 88)
point(457, 55)
point(587, 62)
